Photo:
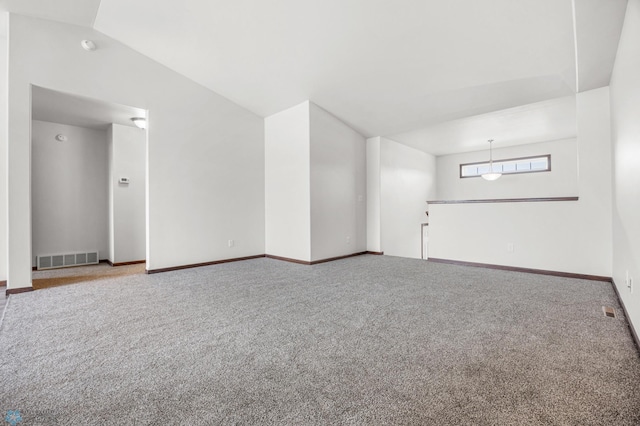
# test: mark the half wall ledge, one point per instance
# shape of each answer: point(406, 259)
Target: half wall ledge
point(504, 200)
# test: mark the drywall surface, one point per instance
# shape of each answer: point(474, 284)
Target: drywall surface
point(561, 181)
point(4, 138)
point(69, 190)
point(126, 201)
point(338, 187)
point(571, 236)
point(625, 110)
point(205, 154)
point(373, 195)
point(287, 184)
point(407, 181)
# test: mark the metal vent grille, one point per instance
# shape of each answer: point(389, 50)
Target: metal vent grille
point(51, 261)
point(44, 262)
point(57, 261)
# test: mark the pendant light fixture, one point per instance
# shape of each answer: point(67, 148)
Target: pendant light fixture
point(491, 175)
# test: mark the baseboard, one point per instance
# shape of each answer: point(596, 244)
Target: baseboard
point(314, 262)
point(288, 259)
point(634, 335)
point(11, 291)
point(134, 262)
point(519, 269)
point(197, 265)
point(377, 253)
point(331, 259)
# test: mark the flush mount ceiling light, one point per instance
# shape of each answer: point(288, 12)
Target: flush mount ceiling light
point(140, 122)
point(491, 175)
point(88, 45)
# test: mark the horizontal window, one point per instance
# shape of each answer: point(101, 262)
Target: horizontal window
point(510, 166)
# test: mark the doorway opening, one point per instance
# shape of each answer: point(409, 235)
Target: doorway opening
point(88, 184)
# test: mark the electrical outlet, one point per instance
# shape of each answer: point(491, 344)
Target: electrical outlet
point(231, 242)
point(630, 284)
point(348, 240)
point(510, 247)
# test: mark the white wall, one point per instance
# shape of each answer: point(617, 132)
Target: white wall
point(205, 153)
point(315, 185)
point(287, 183)
point(570, 236)
point(407, 181)
point(561, 181)
point(338, 187)
point(625, 113)
point(126, 201)
point(4, 138)
point(373, 195)
point(69, 190)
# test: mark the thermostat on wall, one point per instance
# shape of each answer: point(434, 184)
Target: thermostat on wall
point(124, 180)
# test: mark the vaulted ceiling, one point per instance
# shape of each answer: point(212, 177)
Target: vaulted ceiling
point(384, 67)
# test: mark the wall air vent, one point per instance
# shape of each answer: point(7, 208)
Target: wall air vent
point(63, 260)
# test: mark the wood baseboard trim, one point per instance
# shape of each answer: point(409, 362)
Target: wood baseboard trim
point(288, 259)
point(11, 291)
point(134, 262)
point(519, 269)
point(315, 262)
point(197, 265)
point(331, 259)
point(377, 253)
point(632, 329)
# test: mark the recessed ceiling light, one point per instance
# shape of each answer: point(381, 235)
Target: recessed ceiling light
point(88, 45)
point(140, 122)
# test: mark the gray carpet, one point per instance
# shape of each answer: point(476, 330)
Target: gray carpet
point(366, 340)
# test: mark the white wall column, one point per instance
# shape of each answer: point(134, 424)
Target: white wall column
point(373, 195)
point(126, 200)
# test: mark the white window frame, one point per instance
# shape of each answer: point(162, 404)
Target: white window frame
point(509, 166)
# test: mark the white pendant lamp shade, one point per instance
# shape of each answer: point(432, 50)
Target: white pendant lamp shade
point(491, 175)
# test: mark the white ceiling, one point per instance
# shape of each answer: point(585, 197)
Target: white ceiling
point(77, 12)
point(384, 67)
point(57, 107)
point(381, 66)
point(599, 23)
point(542, 121)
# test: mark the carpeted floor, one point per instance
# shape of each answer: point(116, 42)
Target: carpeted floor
point(365, 340)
